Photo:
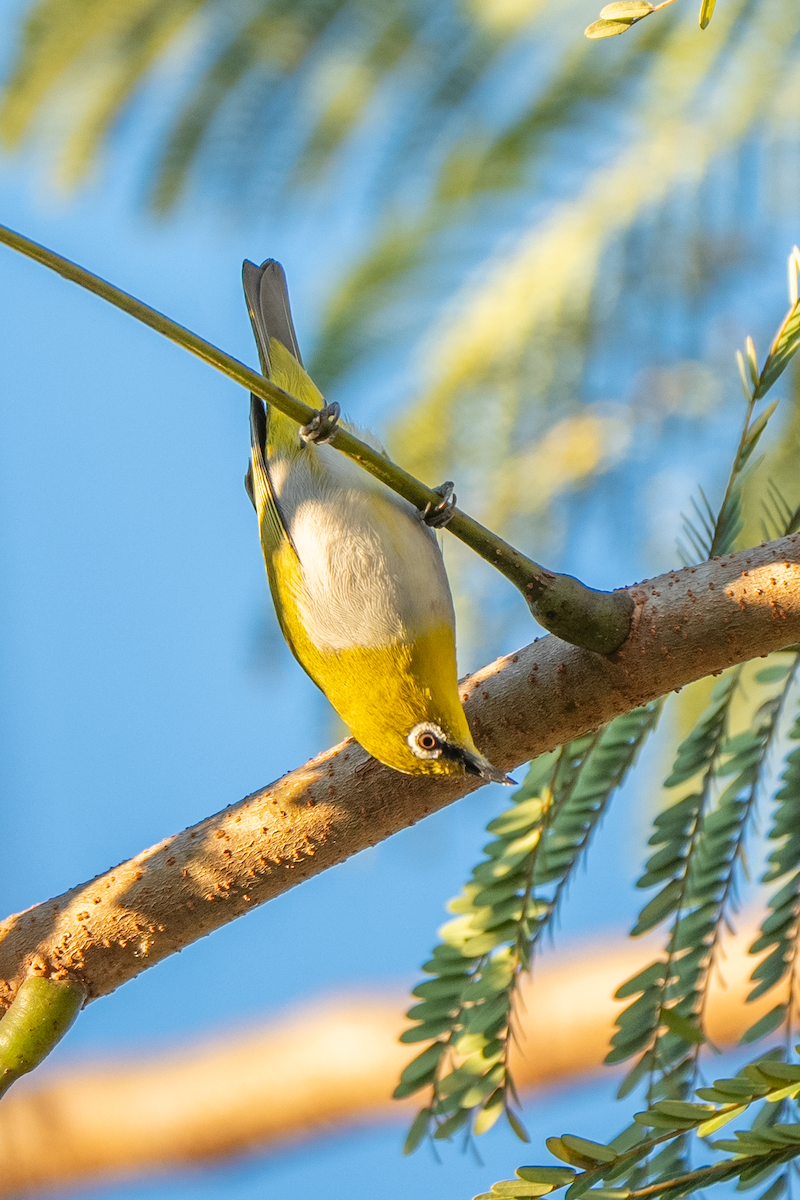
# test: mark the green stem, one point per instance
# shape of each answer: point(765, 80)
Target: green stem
point(735, 469)
point(39, 1015)
point(729, 1168)
point(598, 621)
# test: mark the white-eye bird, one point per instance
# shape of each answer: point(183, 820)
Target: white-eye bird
point(356, 575)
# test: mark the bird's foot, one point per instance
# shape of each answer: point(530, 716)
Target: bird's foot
point(438, 515)
point(322, 425)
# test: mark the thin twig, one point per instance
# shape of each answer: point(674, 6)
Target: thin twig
point(595, 620)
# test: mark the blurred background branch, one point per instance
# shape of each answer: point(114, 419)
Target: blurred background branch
point(328, 1064)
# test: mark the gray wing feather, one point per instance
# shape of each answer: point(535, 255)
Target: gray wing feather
point(268, 304)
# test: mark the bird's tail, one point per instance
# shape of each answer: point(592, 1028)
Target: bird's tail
point(270, 313)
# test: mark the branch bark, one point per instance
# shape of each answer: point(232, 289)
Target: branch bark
point(330, 1064)
point(687, 624)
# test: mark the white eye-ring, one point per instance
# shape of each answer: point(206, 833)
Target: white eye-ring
point(426, 740)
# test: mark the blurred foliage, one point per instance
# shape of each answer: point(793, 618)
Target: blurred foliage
point(503, 914)
point(697, 864)
point(532, 203)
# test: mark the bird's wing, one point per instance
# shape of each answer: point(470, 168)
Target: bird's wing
point(259, 488)
point(267, 299)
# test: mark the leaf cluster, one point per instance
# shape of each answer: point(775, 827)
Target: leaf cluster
point(618, 17)
point(700, 849)
point(757, 1151)
point(699, 843)
point(779, 929)
point(467, 1005)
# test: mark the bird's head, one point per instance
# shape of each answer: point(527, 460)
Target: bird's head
point(423, 738)
point(434, 753)
point(402, 705)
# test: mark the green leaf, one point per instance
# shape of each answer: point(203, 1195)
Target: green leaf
point(765, 1025)
point(559, 1149)
point(510, 1189)
point(520, 817)
point(425, 1032)
point(495, 893)
point(557, 1176)
point(417, 1131)
point(431, 1010)
point(624, 9)
point(423, 1062)
point(659, 908)
point(758, 426)
point(735, 1088)
point(709, 1127)
point(649, 977)
point(596, 1152)
point(409, 1087)
point(634, 1077)
point(604, 29)
point(452, 1124)
point(517, 1126)
point(656, 1120)
point(441, 988)
point(685, 1110)
point(781, 1070)
point(484, 942)
point(490, 1113)
point(684, 1028)
point(775, 1190)
point(482, 1016)
point(772, 674)
point(474, 1043)
point(782, 350)
point(484, 1088)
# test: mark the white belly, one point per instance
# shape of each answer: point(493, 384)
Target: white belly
point(372, 571)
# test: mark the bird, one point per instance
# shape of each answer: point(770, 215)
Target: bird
point(356, 572)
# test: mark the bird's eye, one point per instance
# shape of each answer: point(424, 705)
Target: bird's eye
point(426, 740)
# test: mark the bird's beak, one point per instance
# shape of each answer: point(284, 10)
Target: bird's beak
point(476, 764)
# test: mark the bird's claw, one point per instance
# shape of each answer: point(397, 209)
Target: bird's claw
point(322, 425)
point(436, 516)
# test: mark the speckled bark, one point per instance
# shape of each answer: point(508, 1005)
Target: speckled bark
point(687, 624)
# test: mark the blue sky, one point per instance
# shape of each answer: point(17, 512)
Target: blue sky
point(146, 685)
point(134, 702)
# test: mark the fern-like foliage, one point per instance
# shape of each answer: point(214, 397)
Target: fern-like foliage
point(699, 842)
point(467, 1005)
point(779, 517)
point(757, 1151)
point(779, 929)
point(699, 853)
point(661, 1025)
point(707, 535)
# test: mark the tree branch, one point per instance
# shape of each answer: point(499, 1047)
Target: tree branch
point(687, 624)
point(596, 620)
point(331, 1064)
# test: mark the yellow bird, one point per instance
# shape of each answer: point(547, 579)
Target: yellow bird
point(356, 574)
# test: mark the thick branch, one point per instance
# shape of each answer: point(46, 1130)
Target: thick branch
point(597, 620)
point(332, 1064)
point(687, 624)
